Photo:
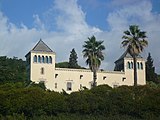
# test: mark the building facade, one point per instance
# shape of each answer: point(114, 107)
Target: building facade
point(41, 67)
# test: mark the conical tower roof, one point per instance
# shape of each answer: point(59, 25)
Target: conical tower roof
point(42, 47)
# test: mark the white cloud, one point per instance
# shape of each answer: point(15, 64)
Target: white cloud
point(38, 23)
point(15, 41)
point(64, 27)
point(140, 14)
point(71, 26)
point(70, 32)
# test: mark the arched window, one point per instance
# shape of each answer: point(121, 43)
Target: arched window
point(46, 59)
point(138, 65)
point(35, 58)
point(39, 59)
point(129, 65)
point(141, 64)
point(50, 59)
point(42, 70)
point(43, 61)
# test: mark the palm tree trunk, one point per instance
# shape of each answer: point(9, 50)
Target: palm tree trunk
point(135, 70)
point(94, 78)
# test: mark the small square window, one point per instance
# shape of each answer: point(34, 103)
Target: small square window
point(56, 75)
point(123, 79)
point(81, 76)
point(104, 77)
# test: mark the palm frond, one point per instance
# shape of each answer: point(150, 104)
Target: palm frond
point(93, 52)
point(127, 32)
point(134, 39)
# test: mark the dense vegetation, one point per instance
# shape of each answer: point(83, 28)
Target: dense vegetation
point(66, 65)
point(12, 70)
point(62, 65)
point(19, 101)
point(23, 100)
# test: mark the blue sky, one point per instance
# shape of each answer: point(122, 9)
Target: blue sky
point(69, 22)
point(22, 11)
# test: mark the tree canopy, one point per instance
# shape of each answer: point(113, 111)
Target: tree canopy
point(73, 63)
point(150, 70)
point(93, 52)
point(134, 41)
point(12, 70)
point(19, 102)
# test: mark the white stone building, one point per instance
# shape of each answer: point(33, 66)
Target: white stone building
point(41, 67)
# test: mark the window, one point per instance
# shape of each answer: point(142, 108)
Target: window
point(42, 70)
point(131, 65)
point(46, 59)
point(128, 65)
point(43, 61)
point(141, 64)
point(50, 59)
point(35, 58)
point(104, 77)
point(69, 86)
point(138, 65)
point(55, 85)
point(56, 75)
point(123, 79)
point(39, 59)
point(81, 76)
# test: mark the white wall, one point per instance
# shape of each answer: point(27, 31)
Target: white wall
point(49, 69)
point(56, 78)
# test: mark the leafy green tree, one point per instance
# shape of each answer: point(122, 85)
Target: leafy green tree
point(41, 85)
point(99, 103)
point(93, 53)
point(150, 70)
point(12, 70)
point(73, 59)
point(66, 65)
point(135, 41)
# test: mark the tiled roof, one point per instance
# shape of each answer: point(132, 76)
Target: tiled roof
point(42, 47)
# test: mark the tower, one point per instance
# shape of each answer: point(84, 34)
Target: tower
point(125, 64)
point(41, 64)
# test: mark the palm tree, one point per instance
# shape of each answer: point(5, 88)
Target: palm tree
point(135, 41)
point(94, 55)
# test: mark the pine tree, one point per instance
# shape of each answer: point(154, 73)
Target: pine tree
point(150, 70)
point(73, 59)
